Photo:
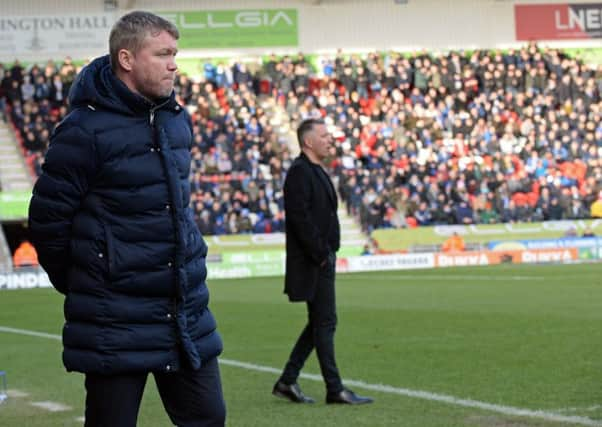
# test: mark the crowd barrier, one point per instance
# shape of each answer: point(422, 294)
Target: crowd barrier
point(245, 266)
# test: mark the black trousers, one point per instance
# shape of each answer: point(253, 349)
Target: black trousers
point(318, 333)
point(191, 398)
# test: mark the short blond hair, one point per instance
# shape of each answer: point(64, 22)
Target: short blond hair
point(131, 29)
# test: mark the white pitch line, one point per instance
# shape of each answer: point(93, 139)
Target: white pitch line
point(450, 277)
point(383, 388)
point(17, 394)
point(579, 409)
point(30, 333)
point(426, 395)
point(51, 406)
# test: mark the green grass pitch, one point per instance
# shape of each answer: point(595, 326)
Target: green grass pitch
point(509, 337)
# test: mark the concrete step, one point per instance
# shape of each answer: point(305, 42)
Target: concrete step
point(8, 155)
point(9, 148)
point(13, 158)
point(11, 167)
point(353, 242)
point(21, 180)
point(10, 159)
point(7, 145)
point(19, 185)
point(10, 162)
point(352, 235)
point(5, 176)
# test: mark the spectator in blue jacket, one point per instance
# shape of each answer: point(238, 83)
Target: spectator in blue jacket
point(111, 221)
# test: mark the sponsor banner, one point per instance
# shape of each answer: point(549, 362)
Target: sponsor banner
point(54, 35)
point(566, 242)
point(589, 254)
point(254, 257)
point(569, 21)
point(227, 270)
point(549, 255)
point(235, 28)
point(462, 259)
point(387, 262)
point(214, 258)
point(14, 204)
point(24, 280)
point(549, 229)
point(342, 265)
point(39, 279)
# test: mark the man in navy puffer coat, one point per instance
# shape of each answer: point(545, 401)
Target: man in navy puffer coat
point(111, 222)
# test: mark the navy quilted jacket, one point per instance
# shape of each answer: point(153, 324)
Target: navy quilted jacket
point(111, 221)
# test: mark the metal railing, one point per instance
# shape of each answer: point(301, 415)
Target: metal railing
point(6, 260)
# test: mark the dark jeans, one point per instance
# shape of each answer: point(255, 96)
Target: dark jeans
point(318, 333)
point(191, 398)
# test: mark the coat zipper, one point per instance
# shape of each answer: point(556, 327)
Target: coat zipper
point(152, 125)
point(152, 112)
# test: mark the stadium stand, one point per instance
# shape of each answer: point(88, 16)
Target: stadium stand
point(460, 138)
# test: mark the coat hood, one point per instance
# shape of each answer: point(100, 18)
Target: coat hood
point(98, 86)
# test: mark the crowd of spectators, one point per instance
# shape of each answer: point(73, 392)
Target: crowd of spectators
point(421, 139)
point(461, 138)
point(238, 158)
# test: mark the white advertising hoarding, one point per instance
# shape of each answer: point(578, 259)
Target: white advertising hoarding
point(24, 280)
point(54, 36)
point(389, 262)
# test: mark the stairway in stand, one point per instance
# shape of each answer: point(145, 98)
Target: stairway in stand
point(352, 236)
point(14, 175)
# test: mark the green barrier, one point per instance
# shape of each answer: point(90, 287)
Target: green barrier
point(242, 28)
point(258, 257)
point(589, 55)
point(403, 239)
point(232, 244)
point(14, 205)
point(223, 270)
point(274, 256)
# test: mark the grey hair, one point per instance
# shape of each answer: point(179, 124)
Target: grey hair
point(131, 29)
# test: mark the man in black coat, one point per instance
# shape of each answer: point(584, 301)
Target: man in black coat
point(111, 221)
point(312, 240)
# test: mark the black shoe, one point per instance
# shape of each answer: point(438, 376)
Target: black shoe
point(348, 397)
point(291, 392)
